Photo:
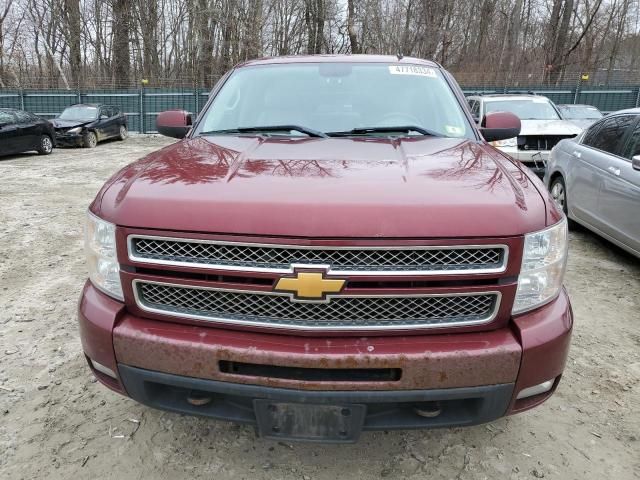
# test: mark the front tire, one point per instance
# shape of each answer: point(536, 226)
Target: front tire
point(558, 191)
point(123, 133)
point(90, 140)
point(46, 145)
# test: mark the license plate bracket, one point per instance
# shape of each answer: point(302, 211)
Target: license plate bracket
point(309, 422)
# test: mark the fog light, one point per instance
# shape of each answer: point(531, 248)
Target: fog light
point(536, 389)
point(102, 369)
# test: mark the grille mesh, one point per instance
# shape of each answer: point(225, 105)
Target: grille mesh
point(340, 312)
point(363, 259)
point(540, 142)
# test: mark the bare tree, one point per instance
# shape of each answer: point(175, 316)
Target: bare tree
point(353, 37)
point(72, 32)
point(4, 13)
point(121, 67)
point(503, 41)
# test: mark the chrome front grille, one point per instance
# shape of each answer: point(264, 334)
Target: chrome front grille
point(340, 260)
point(347, 312)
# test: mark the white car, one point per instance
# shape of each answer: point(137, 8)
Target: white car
point(542, 126)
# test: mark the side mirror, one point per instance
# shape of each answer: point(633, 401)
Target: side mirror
point(104, 117)
point(499, 126)
point(174, 123)
point(635, 162)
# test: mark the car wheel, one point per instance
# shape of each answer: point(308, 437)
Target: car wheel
point(90, 140)
point(558, 191)
point(46, 145)
point(123, 134)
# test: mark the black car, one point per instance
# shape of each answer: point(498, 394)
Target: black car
point(22, 131)
point(87, 124)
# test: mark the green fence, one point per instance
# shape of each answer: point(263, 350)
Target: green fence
point(142, 105)
point(607, 99)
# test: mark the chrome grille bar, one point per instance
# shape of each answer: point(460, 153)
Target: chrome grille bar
point(356, 260)
point(340, 312)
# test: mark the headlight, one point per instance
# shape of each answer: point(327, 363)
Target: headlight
point(543, 264)
point(102, 260)
point(509, 142)
point(75, 130)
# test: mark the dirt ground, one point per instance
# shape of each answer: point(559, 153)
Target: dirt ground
point(57, 422)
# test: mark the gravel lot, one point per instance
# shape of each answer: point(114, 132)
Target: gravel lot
point(57, 422)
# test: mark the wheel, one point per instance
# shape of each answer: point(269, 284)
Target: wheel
point(123, 134)
point(90, 140)
point(46, 145)
point(559, 193)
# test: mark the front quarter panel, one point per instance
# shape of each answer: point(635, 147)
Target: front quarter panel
point(559, 161)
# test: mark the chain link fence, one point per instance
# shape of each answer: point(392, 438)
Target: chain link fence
point(143, 103)
point(606, 99)
point(141, 106)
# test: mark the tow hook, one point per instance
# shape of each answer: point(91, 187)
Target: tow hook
point(198, 399)
point(428, 409)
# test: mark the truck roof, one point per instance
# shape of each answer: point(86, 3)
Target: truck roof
point(340, 59)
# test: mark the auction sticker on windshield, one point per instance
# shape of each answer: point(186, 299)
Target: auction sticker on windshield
point(412, 70)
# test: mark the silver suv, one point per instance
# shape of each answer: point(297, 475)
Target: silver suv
point(542, 126)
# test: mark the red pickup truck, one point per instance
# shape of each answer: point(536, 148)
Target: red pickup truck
point(332, 247)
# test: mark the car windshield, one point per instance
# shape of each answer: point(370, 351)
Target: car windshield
point(580, 112)
point(80, 113)
point(340, 99)
point(525, 109)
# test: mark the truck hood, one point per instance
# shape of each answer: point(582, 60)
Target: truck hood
point(423, 187)
point(549, 127)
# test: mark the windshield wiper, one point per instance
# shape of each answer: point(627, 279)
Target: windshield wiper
point(401, 129)
point(268, 129)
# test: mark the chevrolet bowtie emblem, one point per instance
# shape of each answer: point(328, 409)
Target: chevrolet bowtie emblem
point(309, 285)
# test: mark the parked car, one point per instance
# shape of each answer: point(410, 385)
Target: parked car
point(87, 124)
point(582, 116)
point(542, 126)
point(332, 247)
point(22, 131)
point(595, 178)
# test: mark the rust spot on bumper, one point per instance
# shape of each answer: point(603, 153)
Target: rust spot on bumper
point(428, 361)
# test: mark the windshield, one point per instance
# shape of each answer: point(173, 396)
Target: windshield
point(580, 113)
point(525, 109)
point(80, 113)
point(337, 97)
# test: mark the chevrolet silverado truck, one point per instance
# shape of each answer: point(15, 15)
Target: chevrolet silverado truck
point(332, 247)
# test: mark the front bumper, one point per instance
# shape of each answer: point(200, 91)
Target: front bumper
point(475, 376)
point(385, 410)
point(69, 139)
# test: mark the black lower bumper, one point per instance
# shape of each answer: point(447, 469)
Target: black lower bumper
point(69, 140)
point(379, 410)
